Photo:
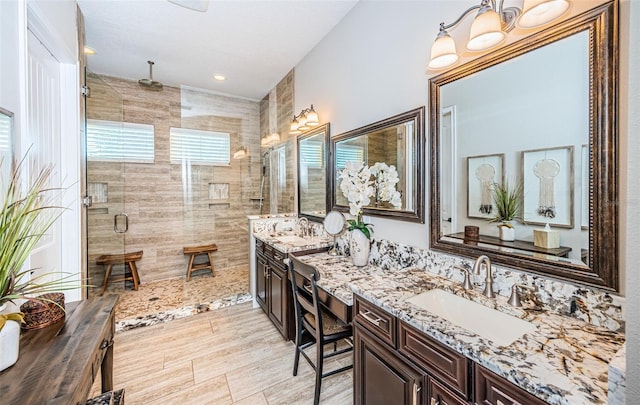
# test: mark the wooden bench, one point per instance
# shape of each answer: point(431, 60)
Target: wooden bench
point(129, 260)
point(194, 251)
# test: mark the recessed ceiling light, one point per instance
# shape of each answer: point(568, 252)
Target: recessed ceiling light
point(89, 51)
point(220, 77)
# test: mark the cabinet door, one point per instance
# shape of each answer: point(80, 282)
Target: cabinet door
point(261, 282)
point(491, 389)
point(276, 286)
point(381, 377)
point(440, 395)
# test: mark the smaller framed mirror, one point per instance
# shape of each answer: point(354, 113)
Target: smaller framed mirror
point(312, 173)
point(391, 147)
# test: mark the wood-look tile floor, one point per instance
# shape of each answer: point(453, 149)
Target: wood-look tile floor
point(232, 355)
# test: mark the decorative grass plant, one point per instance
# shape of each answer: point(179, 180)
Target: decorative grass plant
point(29, 210)
point(508, 198)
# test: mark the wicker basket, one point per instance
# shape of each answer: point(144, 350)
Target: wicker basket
point(39, 314)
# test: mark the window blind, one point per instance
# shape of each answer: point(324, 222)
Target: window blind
point(348, 153)
point(200, 147)
point(5, 133)
point(311, 154)
point(120, 141)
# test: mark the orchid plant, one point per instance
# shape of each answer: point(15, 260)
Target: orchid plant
point(360, 183)
point(386, 178)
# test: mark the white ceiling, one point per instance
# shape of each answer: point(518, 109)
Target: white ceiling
point(253, 43)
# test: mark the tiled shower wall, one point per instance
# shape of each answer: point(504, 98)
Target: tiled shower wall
point(170, 205)
point(276, 113)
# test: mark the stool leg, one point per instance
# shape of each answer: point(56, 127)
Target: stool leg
point(190, 267)
point(106, 278)
point(211, 263)
point(134, 275)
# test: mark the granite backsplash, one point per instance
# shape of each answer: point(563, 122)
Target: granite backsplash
point(599, 308)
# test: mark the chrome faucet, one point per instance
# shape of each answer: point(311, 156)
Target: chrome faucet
point(304, 230)
point(488, 281)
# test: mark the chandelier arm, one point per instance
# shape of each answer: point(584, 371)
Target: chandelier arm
point(456, 22)
point(306, 110)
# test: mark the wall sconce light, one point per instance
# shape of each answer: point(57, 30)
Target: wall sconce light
point(490, 26)
point(241, 153)
point(270, 140)
point(307, 119)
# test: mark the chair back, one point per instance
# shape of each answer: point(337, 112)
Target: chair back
point(305, 294)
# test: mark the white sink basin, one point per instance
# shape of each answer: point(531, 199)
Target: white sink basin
point(293, 240)
point(501, 328)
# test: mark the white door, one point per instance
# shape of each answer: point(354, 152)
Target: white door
point(42, 141)
point(448, 171)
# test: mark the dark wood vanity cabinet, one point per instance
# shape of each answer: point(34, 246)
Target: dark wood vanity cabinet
point(273, 291)
point(381, 376)
point(397, 364)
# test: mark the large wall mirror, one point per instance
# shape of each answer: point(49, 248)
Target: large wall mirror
point(397, 142)
point(540, 113)
point(313, 146)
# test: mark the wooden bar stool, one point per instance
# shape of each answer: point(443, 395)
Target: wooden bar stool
point(196, 251)
point(129, 260)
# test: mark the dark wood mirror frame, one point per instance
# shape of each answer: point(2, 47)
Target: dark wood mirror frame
point(602, 25)
point(418, 211)
point(327, 137)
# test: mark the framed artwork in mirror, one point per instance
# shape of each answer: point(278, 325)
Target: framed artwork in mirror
point(483, 172)
point(547, 180)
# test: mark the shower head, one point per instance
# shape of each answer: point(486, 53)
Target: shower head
point(150, 83)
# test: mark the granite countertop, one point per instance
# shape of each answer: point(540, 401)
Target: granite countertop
point(564, 361)
point(287, 241)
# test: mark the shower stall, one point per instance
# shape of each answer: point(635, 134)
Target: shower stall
point(161, 177)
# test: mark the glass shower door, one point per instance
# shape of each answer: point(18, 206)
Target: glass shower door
point(107, 221)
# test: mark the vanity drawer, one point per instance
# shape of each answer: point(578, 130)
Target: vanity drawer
point(379, 322)
point(491, 389)
point(279, 257)
point(440, 395)
point(441, 362)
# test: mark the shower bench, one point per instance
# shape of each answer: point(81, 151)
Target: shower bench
point(129, 260)
point(194, 251)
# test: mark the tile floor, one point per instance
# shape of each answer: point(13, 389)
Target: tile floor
point(232, 355)
point(161, 301)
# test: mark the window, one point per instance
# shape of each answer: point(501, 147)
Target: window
point(120, 141)
point(200, 147)
point(5, 134)
point(311, 154)
point(348, 153)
